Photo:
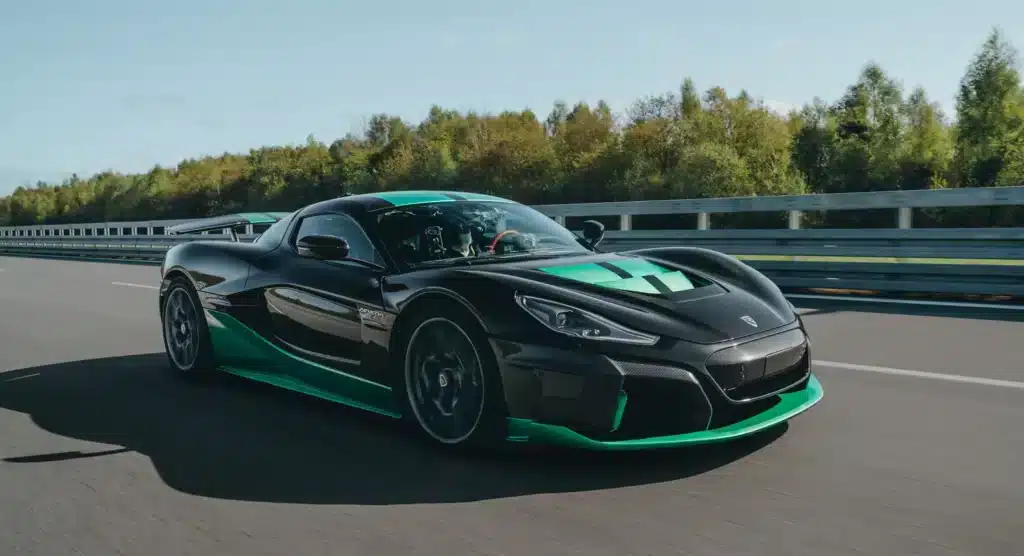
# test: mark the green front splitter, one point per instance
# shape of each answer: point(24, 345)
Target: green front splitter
point(792, 404)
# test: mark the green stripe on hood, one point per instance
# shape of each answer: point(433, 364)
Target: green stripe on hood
point(638, 269)
point(589, 273)
point(676, 281)
point(637, 284)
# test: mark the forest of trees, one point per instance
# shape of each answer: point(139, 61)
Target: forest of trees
point(685, 144)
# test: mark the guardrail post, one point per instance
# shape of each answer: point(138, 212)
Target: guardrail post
point(560, 220)
point(795, 216)
point(625, 221)
point(905, 217)
point(703, 221)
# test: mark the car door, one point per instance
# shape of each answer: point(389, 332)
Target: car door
point(318, 309)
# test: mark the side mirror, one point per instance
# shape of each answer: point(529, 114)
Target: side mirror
point(593, 232)
point(328, 248)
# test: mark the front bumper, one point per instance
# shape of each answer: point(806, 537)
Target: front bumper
point(789, 405)
point(678, 397)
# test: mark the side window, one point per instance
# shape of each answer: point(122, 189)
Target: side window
point(341, 226)
point(274, 234)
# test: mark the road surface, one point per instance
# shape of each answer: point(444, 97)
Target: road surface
point(917, 448)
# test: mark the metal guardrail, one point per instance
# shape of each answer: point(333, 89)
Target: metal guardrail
point(975, 262)
point(965, 261)
point(148, 249)
point(903, 202)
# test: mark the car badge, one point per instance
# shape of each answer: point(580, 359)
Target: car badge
point(749, 321)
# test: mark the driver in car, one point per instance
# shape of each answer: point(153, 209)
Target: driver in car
point(452, 241)
point(461, 242)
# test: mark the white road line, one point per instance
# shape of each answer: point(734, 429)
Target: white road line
point(923, 374)
point(963, 304)
point(130, 285)
point(22, 377)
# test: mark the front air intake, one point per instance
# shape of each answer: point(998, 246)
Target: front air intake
point(761, 368)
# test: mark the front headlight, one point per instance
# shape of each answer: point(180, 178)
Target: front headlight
point(581, 324)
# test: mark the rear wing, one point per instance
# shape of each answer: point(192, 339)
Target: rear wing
point(226, 222)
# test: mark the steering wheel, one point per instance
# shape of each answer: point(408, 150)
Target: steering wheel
point(499, 237)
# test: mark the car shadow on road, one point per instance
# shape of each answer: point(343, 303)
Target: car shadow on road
point(234, 439)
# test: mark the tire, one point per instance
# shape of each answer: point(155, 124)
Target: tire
point(429, 376)
point(181, 307)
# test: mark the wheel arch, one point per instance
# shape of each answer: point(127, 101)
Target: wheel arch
point(422, 301)
point(417, 305)
point(171, 275)
point(429, 296)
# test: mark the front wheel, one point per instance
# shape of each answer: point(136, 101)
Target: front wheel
point(453, 390)
point(186, 335)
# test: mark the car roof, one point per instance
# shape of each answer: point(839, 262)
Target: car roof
point(370, 202)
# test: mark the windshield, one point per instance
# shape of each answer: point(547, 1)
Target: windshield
point(469, 230)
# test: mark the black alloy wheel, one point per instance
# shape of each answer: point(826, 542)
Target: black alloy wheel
point(452, 387)
point(186, 336)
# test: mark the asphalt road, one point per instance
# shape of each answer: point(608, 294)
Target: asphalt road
point(101, 453)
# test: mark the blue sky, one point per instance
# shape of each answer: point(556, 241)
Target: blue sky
point(116, 84)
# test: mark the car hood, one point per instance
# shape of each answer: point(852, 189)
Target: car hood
point(655, 295)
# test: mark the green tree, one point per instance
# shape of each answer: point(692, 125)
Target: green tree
point(927, 148)
point(990, 109)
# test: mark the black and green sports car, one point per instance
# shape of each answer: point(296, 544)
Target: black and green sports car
point(481, 320)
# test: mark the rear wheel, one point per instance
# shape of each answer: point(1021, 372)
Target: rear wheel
point(452, 388)
point(185, 332)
